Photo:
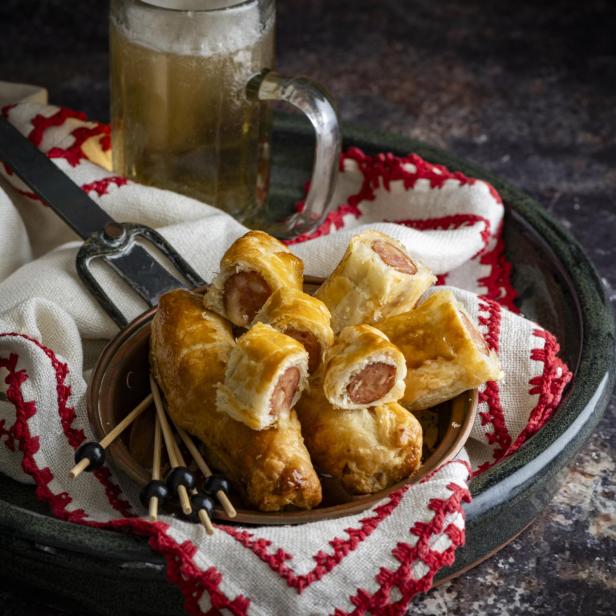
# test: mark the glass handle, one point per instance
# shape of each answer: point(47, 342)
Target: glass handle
point(310, 98)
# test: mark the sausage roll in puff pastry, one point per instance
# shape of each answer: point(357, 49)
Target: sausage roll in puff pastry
point(265, 375)
point(363, 369)
point(445, 352)
point(253, 267)
point(375, 279)
point(189, 350)
point(366, 449)
point(302, 317)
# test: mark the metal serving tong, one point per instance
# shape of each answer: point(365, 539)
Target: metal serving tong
point(113, 242)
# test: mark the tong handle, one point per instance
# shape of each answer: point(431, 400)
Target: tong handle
point(117, 245)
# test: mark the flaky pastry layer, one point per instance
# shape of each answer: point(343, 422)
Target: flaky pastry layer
point(258, 361)
point(444, 351)
point(364, 288)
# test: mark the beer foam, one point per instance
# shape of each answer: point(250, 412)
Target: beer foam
point(193, 27)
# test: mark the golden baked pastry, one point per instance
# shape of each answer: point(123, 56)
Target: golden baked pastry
point(253, 267)
point(376, 278)
point(445, 352)
point(189, 350)
point(265, 375)
point(363, 368)
point(366, 449)
point(302, 317)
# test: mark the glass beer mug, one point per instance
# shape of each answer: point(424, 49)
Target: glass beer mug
point(188, 81)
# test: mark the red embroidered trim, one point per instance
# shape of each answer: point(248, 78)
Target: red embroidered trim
point(75, 437)
point(101, 187)
point(41, 123)
point(408, 555)
point(74, 154)
point(9, 441)
point(550, 385)
point(29, 445)
point(452, 221)
point(384, 168)
point(491, 394)
point(492, 322)
point(342, 547)
point(325, 562)
point(334, 220)
point(180, 568)
point(5, 109)
point(8, 433)
point(105, 141)
point(438, 469)
point(27, 193)
point(498, 282)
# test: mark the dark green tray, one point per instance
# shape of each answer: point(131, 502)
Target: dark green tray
point(112, 573)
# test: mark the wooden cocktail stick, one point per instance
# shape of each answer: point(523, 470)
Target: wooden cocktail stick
point(204, 518)
point(223, 499)
point(110, 437)
point(153, 508)
point(79, 468)
point(169, 444)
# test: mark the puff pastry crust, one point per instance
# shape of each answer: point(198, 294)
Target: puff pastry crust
point(445, 352)
point(265, 375)
point(363, 368)
point(302, 317)
point(253, 267)
point(367, 449)
point(189, 351)
point(376, 278)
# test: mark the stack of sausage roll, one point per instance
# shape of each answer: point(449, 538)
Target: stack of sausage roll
point(277, 383)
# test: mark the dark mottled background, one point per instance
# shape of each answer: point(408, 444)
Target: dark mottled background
point(527, 89)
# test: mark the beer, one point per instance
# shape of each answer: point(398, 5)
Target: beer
point(180, 116)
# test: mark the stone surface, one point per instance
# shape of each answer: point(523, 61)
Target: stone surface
point(527, 90)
